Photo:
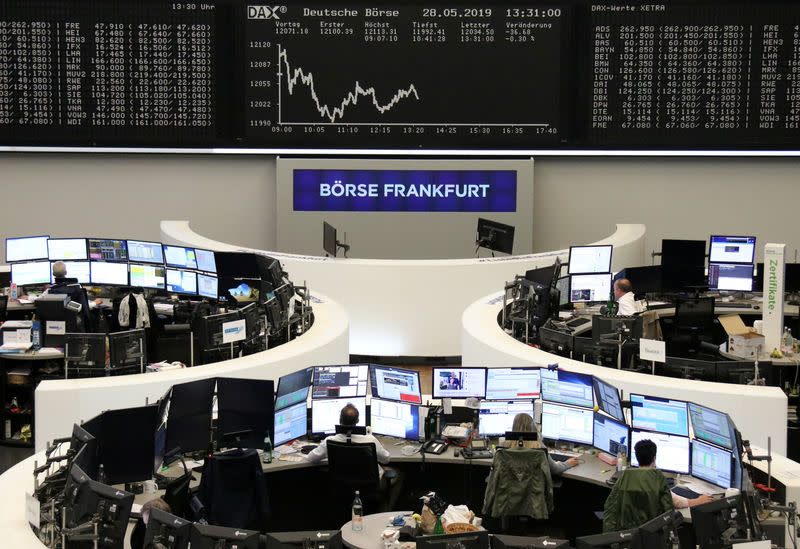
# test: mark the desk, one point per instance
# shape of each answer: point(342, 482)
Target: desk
point(370, 537)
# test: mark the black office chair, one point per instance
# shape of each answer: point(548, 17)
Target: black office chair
point(3, 307)
point(354, 466)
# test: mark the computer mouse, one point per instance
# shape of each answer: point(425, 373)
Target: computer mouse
point(457, 452)
point(307, 448)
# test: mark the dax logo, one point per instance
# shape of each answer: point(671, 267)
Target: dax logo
point(265, 12)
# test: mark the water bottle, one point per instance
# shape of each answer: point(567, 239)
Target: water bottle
point(36, 335)
point(621, 458)
point(358, 513)
point(101, 474)
point(267, 456)
point(787, 341)
point(13, 294)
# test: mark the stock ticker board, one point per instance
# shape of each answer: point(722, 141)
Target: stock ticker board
point(573, 74)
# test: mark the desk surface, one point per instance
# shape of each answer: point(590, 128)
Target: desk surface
point(45, 353)
point(370, 536)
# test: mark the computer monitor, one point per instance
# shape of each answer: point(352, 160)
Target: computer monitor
point(308, 539)
point(608, 399)
point(662, 531)
point(325, 413)
point(128, 349)
point(166, 530)
point(791, 280)
point(567, 388)
point(395, 384)
point(284, 294)
point(711, 426)
point(145, 252)
point(695, 314)
point(290, 423)
point(148, 276)
point(178, 256)
point(502, 541)
point(544, 275)
point(277, 317)
point(495, 236)
point(732, 249)
point(181, 282)
point(711, 521)
point(689, 368)
point(683, 263)
point(245, 405)
point(83, 450)
point(610, 435)
point(78, 270)
point(107, 249)
point(30, 273)
point(712, 464)
point(205, 260)
point(672, 453)
point(207, 286)
point(340, 381)
point(496, 417)
point(730, 277)
point(590, 259)
point(567, 424)
point(644, 280)
point(127, 443)
point(205, 536)
point(556, 341)
point(67, 249)
point(394, 419)
point(293, 388)
point(329, 238)
point(562, 285)
point(467, 540)
point(80, 350)
point(459, 382)
point(629, 326)
point(659, 414)
point(622, 539)
point(110, 506)
point(108, 274)
point(26, 248)
point(189, 419)
point(210, 329)
point(512, 383)
point(588, 288)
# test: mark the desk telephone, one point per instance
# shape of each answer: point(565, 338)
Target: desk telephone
point(477, 449)
point(434, 447)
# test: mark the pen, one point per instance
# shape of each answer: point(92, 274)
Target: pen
point(604, 471)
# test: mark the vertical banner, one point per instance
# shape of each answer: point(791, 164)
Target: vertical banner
point(774, 257)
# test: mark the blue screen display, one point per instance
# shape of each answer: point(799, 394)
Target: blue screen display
point(711, 425)
point(405, 191)
point(567, 388)
point(659, 414)
point(291, 423)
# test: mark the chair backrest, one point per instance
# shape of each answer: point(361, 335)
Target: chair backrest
point(641, 495)
point(232, 489)
point(353, 464)
point(3, 307)
point(520, 484)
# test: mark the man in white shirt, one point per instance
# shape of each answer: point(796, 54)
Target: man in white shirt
point(349, 417)
point(626, 304)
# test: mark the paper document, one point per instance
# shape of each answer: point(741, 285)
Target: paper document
point(15, 346)
point(454, 431)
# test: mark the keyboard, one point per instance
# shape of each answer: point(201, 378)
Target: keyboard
point(563, 455)
point(732, 305)
point(685, 492)
point(580, 321)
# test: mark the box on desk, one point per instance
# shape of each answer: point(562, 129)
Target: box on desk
point(743, 342)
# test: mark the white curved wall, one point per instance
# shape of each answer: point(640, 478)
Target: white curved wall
point(410, 307)
point(759, 412)
point(60, 403)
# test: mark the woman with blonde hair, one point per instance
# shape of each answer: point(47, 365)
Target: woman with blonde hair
point(524, 423)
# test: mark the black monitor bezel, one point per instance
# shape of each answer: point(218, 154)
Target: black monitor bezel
point(123, 240)
point(47, 236)
point(610, 256)
point(127, 270)
point(85, 248)
point(711, 240)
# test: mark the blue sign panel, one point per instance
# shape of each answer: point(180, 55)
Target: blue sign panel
point(405, 191)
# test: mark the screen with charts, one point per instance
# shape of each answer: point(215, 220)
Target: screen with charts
point(145, 252)
point(672, 453)
point(325, 413)
point(567, 388)
point(711, 425)
point(496, 417)
point(66, 249)
point(26, 248)
point(732, 249)
point(730, 277)
point(293, 388)
point(589, 259)
point(30, 272)
point(394, 419)
point(205, 260)
point(608, 399)
point(207, 286)
point(75, 269)
point(115, 274)
point(105, 249)
point(712, 464)
point(178, 256)
point(147, 276)
point(610, 435)
point(587, 288)
point(567, 423)
point(395, 384)
point(659, 414)
point(181, 282)
point(512, 383)
point(290, 423)
point(459, 382)
point(339, 381)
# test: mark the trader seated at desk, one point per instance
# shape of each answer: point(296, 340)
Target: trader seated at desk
point(623, 293)
point(524, 423)
point(349, 417)
point(76, 292)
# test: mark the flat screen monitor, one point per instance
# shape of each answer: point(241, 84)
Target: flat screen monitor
point(611, 435)
point(67, 249)
point(502, 541)
point(711, 521)
point(189, 418)
point(207, 286)
point(107, 249)
point(495, 236)
point(26, 248)
point(394, 419)
point(589, 259)
point(30, 272)
point(75, 269)
point(659, 414)
point(147, 276)
point(205, 260)
point(178, 256)
point(128, 349)
point(567, 388)
point(395, 384)
point(791, 280)
point(563, 290)
point(544, 275)
point(467, 540)
point(683, 263)
point(712, 464)
point(732, 249)
point(512, 383)
point(459, 382)
point(608, 399)
point(293, 388)
point(329, 238)
point(205, 536)
point(290, 423)
point(556, 341)
point(325, 413)
point(672, 453)
point(711, 425)
point(245, 405)
point(181, 282)
point(622, 539)
point(587, 288)
point(730, 277)
point(567, 423)
point(495, 417)
point(340, 381)
point(127, 443)
point(167, 529)
point(145, 252)
point(111, 274)
point(644, 280)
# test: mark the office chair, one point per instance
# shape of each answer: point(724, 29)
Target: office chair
point(354, 466)
point(3, 307)
point(638, 496)
point(233, 490)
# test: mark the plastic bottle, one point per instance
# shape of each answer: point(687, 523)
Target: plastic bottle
point(438, 528)
point(101, 474)
point(622, 458)
point(36, 335)
point(787, 341)
point(13, 294)
point(266, 457)
point(358, 513)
